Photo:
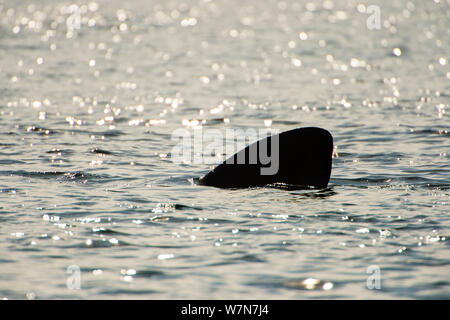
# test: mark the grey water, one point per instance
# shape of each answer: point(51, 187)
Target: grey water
point(92, 205)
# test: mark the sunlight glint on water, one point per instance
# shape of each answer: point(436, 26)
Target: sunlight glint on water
point(91, 93)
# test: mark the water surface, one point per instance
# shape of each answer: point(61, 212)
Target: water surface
point(87, 113)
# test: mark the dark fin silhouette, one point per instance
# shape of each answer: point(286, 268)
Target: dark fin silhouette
point(304, 159)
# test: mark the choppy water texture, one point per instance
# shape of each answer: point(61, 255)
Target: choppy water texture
point(87, 112)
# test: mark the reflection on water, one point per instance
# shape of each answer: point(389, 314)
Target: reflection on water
point(91, 93)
